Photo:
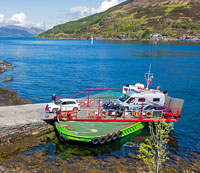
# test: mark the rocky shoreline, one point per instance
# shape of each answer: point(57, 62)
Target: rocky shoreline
point(156, 38)
point(7, 96)
point(17, 129)
point(5, 66)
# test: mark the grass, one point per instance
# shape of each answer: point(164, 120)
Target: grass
point(133, 21)
point(171, 7)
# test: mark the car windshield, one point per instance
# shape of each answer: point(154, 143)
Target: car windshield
point(161, 107)
point(124, 98)
point(58, 102)
point(148, 107)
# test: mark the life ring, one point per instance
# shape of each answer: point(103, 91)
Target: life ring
point(104, 113)
point(91, 113)
point(136, 114)
point(149, 114)
point(92, 102)
point(64, 117)
point(81, 102)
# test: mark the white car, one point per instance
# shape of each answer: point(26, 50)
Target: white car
point(65, 105)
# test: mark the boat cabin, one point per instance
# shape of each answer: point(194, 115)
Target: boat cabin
point(135, 98)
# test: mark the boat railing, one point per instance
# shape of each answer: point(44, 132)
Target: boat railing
point(95, 110)
point(86, 94)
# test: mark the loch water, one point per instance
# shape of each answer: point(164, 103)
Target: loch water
point(66, 67)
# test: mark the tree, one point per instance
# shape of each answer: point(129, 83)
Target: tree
point(153, 150)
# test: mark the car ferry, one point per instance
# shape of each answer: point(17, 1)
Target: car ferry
point(101, 118)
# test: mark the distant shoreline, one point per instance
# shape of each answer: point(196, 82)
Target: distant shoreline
point(161, 40)
point(104, 39)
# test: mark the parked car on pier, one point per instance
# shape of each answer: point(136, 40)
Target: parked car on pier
point(64, 105)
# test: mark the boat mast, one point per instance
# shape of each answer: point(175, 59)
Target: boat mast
point(148, 77)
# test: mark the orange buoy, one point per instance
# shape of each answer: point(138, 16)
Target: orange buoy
point(81, 102)
point(92, 102)
point(64, 117)
point(158, 87)
point(136, 114)
point(104, 113)
point(149, 114)
point(91, 113)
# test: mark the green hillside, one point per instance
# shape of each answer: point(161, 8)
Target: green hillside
point(135, 19)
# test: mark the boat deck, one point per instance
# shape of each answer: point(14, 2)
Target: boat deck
point(88, 129)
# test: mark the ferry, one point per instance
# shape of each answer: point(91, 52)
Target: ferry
point(100, 118)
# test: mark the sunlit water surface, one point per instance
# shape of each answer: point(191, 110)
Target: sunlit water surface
point(66, 67)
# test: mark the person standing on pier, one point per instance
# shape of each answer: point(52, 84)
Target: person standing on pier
point(53, 98)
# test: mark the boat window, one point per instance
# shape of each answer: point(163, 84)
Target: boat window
point(64, 103)
point(70, 102)
point(141, 99)
point(125, 97)
point(149, 107)
point(156, 99)
point(131, 100)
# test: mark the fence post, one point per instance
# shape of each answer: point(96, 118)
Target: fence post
point(88, 100)
point(60, 114)
point(142, 107)
point(98, 118)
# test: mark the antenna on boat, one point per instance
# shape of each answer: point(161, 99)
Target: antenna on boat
point(149, 77)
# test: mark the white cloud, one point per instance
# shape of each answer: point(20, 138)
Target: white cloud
point(107, 4)
point(83, 11)
point(80, 11)
point(33, 24)
point(18, 18)
point(1, 18)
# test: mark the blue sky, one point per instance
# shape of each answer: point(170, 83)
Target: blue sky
point(34, 12)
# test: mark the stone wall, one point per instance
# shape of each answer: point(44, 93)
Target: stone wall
point(13, 133)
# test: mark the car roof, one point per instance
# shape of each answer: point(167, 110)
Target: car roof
point(135, 93)
point(153, 106)
point(68, 99)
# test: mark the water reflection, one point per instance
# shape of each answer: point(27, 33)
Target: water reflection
point(73, 149)
point(119, 148)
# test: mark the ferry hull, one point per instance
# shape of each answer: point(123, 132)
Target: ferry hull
point(96, 132)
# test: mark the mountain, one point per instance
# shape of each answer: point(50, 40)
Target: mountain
point(18, 31)
point(136, 19)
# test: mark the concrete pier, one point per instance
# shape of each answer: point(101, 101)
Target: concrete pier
point(17, 122)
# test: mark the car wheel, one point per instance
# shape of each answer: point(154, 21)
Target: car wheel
point(119, 114)
point(126, 109)
point(54, 110)
point(75, 109)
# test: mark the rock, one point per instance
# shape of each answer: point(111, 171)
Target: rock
point(4, 66)
point(158, 37)
point(10, 97)
point(188, 37)
point(8, 79)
